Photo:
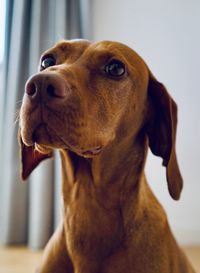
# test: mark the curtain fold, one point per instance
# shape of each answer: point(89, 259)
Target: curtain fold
point(30, 211)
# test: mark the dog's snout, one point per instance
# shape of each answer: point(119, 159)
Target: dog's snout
point(47, 86)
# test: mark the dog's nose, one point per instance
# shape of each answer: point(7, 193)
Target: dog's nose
point(47, 86)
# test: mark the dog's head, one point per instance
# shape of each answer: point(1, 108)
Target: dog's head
point(85, 94)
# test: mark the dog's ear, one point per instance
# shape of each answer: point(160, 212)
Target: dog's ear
point(30, 158)
point(161, 130)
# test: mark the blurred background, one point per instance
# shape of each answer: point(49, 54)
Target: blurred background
point(166, 33)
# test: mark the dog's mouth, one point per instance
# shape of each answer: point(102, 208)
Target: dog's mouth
point(92, 152)
point(45, 135)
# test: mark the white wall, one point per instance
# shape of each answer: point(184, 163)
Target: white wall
point(167, 35)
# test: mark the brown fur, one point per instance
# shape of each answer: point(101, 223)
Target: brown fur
point(112, 222)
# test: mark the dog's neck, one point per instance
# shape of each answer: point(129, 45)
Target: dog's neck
point(118, 168)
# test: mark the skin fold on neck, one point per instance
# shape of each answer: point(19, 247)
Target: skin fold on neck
point(111, 176)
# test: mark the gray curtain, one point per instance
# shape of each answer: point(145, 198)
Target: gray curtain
point(29, 212)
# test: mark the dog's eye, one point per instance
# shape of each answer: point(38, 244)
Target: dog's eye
point(48, 61)
point(115, 68)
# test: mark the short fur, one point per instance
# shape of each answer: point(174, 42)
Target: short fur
point(103, 126)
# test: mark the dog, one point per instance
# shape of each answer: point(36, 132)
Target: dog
point(101, 107)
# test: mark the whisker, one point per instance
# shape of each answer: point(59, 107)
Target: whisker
point(16, 117)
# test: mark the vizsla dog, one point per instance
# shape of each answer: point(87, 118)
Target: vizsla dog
point(101, 107)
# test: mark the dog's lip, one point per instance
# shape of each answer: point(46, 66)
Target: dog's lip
point(92, 151)
point(89, 152)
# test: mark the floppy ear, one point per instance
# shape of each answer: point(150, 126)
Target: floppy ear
point(161, 130)
point(30, 158)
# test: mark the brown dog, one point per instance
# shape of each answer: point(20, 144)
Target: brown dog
point(99, 104)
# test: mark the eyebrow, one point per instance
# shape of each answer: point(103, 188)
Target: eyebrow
point(105, 56)
point(54, 51)
point(63, 46)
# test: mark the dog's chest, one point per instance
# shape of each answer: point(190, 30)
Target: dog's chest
point(91, 229)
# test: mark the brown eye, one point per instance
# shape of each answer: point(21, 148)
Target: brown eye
point(115, 68)
point(48, 61)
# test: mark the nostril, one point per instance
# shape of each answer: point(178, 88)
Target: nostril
point(31, 89)
point(51, 90)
